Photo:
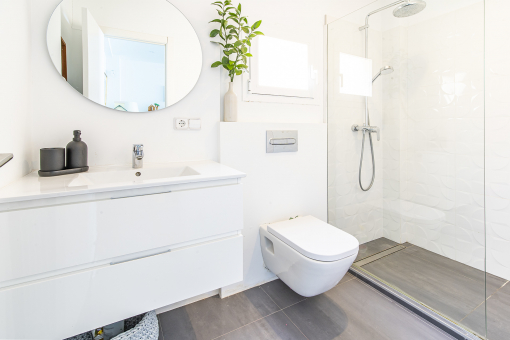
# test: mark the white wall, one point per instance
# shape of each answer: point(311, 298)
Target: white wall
point(15, 88)
point(278, 185)
point(299, 21)
point(59, 109)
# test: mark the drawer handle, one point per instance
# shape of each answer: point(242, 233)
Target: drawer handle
point(140, 257)
point(157, 193)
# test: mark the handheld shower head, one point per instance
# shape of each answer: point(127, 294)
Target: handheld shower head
point(408, 8)
point(386, 70)
point(383, 71)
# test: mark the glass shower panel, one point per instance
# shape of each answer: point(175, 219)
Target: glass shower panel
point(421, 227)
point(497, 179)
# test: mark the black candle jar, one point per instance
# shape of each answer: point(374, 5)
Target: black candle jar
point(53, 159)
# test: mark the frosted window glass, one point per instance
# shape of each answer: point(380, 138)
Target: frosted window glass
point(283, 64)
point(355, 75)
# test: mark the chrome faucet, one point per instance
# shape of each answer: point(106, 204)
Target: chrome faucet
point(137, 156)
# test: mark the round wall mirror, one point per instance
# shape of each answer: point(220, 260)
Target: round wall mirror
point(127, 55)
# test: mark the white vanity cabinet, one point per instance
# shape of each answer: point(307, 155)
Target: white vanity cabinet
point(70, 264)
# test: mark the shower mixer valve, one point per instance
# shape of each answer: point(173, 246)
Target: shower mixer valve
point(368, 129)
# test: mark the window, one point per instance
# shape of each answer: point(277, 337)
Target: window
point(282, 68)
point(136, 74)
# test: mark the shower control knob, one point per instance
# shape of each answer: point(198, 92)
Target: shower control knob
point(355, 127)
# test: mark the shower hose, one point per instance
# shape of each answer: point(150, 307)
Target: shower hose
point(361, 159)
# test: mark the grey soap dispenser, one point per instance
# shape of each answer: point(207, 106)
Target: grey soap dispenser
point(76, 152)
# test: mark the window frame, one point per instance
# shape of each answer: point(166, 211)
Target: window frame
point(252, 91)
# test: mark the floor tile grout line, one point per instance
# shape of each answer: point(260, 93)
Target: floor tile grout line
point(468, 278)
point(452, 271)
point(445, 266)
point(238, 328)
point(353, 277)
point(279, 310)
point(277, 305)
point(407, 310)
point(282, 310)
point(288, 317)
point(295, 303)
point(484, 301)
point(471, 312)
point(442, 264)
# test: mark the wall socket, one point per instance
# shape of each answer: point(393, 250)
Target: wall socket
point(181, 123)
point(187, 124)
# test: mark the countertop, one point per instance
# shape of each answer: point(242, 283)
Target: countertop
point(33, 187)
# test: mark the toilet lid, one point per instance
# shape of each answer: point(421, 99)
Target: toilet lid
point(315, 239)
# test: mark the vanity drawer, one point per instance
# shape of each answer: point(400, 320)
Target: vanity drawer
point(72, 304)
point(42, 240)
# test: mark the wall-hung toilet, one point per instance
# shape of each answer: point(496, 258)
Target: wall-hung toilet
point(309, 255)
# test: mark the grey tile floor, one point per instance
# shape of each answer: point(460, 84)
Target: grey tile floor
point(351, 310)
point(451, 288)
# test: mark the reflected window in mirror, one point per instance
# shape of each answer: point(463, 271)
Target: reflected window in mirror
point(136, 75)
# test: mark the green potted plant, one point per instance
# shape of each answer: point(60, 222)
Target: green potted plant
point(236, 36)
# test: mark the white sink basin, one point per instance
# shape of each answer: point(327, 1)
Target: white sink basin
point(103, 179)
point(113, 175)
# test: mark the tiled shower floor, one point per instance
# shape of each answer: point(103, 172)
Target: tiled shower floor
point(351, 310)
point(451, 288)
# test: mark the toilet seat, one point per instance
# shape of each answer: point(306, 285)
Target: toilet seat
point(315, 239)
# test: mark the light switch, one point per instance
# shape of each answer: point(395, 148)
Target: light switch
point(195, 124)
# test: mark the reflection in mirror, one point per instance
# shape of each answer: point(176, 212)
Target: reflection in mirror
point(134, 70)
point(126, 55)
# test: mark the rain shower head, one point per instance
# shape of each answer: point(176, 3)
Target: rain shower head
point(408, 8)
point(383, 71)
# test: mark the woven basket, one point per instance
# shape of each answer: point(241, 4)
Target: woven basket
point(137, 328)
point(147, 329)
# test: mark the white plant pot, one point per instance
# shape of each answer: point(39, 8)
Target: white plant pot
point(230, 104)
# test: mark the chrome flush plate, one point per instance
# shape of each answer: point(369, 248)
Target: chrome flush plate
point(281, 141)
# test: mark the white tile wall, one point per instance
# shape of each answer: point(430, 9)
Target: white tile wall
point(357, 212)
point(394, 91)
point(442, 135)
